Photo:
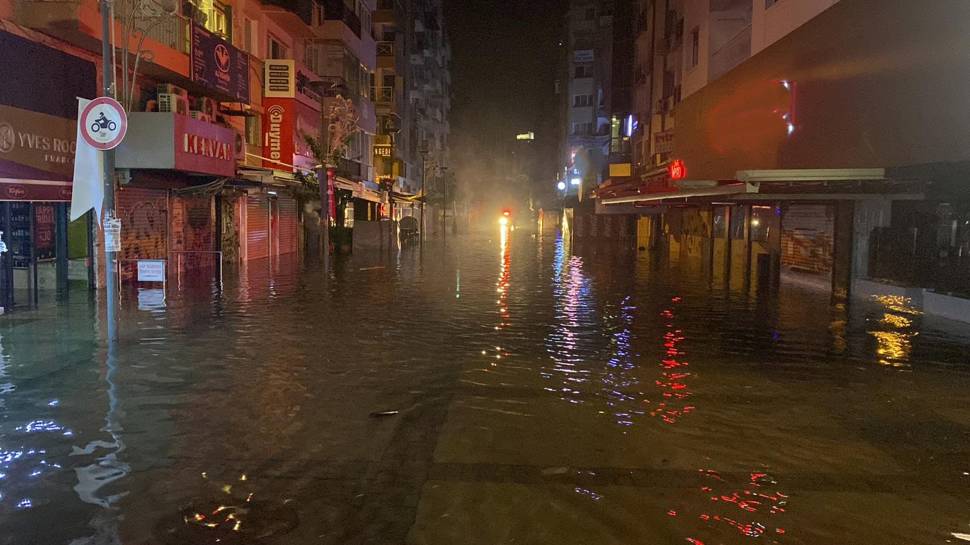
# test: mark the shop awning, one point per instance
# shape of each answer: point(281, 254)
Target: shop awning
point(687, 190)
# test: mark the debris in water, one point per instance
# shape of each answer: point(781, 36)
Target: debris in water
point(379, 414)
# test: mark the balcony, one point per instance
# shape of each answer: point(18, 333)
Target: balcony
point(349, 169)
point(78, 22)
point(336, 10)
point(384, 95)
point(295, 16)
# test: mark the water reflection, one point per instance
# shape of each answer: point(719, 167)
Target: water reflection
point(674, 377)
point(620, 380)
point(752, 508)
point(574, 315)
point(894, 330)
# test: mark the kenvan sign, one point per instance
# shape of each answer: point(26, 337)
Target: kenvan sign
point(161, 140)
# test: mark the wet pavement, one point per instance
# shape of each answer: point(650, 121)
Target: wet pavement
point(503, 390)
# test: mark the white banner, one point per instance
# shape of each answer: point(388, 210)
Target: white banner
point(88, 189)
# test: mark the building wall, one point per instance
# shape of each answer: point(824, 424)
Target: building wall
point(869, 77)
point(696, 18)
point(772, 23)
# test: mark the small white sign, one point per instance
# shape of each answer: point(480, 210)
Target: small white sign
point(112, 235)
point(151, 270)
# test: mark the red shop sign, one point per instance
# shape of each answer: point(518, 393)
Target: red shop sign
point(279, 131)
point(204, 147)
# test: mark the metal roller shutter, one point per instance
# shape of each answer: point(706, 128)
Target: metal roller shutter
point(144, 223)
point(257, 226)
point(287, 225)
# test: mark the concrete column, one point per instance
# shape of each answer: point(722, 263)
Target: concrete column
point(869, 214)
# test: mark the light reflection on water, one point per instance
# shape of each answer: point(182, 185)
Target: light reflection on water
point(267, 386)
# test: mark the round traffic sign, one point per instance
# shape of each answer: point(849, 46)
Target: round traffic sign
point(103, 123)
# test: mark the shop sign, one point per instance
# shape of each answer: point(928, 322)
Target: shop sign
point(170, 141)
point(677, 170)
point(383, 150)
point(204, 147)
point(36, 145)
point(279, 77)
point(279, 122)
point(34, 190)
point(218, 65)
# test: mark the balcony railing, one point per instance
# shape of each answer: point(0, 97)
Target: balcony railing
point(173, 31)
point(385, 49)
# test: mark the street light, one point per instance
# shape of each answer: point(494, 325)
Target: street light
point(561, 186)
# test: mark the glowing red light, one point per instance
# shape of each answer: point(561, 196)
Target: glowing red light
point(677, 169)
point(506, 213)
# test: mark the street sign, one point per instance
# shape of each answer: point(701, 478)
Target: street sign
point(151, 270)
point(103, 123)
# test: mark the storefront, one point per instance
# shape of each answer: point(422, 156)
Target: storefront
point(37, 144)
point(174, 203)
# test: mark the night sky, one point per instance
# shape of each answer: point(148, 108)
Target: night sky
point(505, 56)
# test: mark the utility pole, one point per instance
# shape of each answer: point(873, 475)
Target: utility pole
point(111, 257)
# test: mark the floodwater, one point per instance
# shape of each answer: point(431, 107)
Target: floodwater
point(502, 390)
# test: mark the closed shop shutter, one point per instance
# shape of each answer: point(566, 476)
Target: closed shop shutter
point(807, 238)
point(287, 225)
point(144, 223)
point(257, 226)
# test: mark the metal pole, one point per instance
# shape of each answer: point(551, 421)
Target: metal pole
point(424, 196)
point(324, 179)
point(110, 266)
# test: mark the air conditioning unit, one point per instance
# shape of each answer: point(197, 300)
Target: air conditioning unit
point(170, 102)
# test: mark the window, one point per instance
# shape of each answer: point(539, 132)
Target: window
point(695, 46)
point(580, 101)
point(584, 71)
point(582, 128)
point(318, 15)
point(254, 133)
point(275, 49)
point(769, 3)
point(365, 23)
point(590, 14)
point(249, 36)
point(219, 20)
point(389, 35)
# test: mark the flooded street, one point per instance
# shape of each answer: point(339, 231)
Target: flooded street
point(501, 390)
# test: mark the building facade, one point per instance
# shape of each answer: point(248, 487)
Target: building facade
point(794, 141)
point(216, 169)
